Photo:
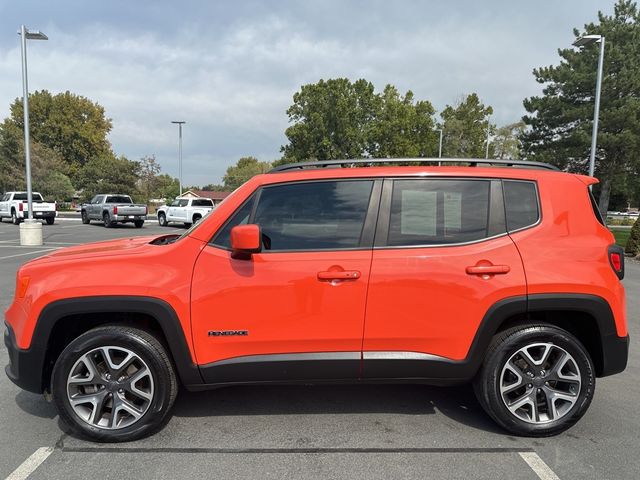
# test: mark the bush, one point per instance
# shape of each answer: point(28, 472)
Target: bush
point(633, 243)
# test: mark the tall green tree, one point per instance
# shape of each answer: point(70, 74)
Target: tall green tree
point(401, 127)
point(330, 120)
point(560, 120)
point(465, 127)
point(109, 174)
point(507, 143)
point(148, 181)
point(242, 171)
point(73, 126)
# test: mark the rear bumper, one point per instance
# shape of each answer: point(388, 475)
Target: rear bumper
point(128, 218)
point(25, 366)
point(615, 352)
point(36, 215)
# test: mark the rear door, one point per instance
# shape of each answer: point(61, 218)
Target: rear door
point(441, 259)
point(295, 311)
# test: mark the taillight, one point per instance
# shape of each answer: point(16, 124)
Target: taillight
point(115, 210)
point(146, 210)
point(21, 206)
point(616, 260)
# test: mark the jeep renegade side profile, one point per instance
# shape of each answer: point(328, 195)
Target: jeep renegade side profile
point(503, 275)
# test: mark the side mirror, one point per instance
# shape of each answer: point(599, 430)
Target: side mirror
point(245, 240)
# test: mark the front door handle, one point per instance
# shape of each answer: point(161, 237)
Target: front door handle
point(339, 275)
point(488, 269)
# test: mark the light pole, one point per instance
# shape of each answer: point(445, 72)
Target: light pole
point(179, 123)
point(440, 145)
point(486, 152)
point(30, 231)
point(581, 42)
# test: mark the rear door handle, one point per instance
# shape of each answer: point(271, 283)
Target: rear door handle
point(488, 269)
point(339, 275)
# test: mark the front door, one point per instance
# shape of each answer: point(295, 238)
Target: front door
point(441, 259)
point(295, 311)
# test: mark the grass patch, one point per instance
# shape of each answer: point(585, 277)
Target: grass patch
point(621, 236)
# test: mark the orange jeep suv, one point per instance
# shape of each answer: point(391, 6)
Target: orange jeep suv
point(499, 273)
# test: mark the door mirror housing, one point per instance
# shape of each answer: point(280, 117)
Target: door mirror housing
point(245, 240)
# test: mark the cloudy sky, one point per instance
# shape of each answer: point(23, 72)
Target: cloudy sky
point(230, 68)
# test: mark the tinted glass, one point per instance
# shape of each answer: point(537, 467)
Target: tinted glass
point(521, 204)
point(314, 215)
point(202, 203)
point(118, 199)
point(23, 196)
point(240, 217)
point(594, 206)
point(435, 212)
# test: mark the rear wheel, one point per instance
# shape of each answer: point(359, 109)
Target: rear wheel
point(186, 224)
point(138, 223)
point(85, 217)
point(197, 218)
point(162, 220)
point(106, 219)
point(114, 384)
point(50, 220)
point(14, 218)
point(536, 380)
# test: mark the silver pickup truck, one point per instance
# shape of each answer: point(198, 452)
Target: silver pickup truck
point(111, 209)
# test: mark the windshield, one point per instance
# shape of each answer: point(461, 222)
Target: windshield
point(119, 199)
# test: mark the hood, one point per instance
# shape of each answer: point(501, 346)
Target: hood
point(99, 249)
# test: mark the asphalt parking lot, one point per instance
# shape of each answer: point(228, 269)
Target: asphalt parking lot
point(368, 432)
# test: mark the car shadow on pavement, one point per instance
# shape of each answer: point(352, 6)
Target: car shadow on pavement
point(457, 403)
point(35, 404)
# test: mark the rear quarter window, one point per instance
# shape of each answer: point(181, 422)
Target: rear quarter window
point(522, 208)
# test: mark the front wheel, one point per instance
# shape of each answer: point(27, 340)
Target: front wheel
point(114, 384)
point(536, 380)
point(162, 220)
point(85, 217)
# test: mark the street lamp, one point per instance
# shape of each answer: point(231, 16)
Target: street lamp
point(179, 123)
point(30, 231)
point(486, 152)
point(440, 144)
point(582, 42)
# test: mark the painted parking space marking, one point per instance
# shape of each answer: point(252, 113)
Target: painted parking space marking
point(541, 469)
point(27, 467)
point(28, 253)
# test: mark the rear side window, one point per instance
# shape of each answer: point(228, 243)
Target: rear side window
point(313, 215)
point(521, 204)
point(438, 212)
point(594, 205)
point(202, 203)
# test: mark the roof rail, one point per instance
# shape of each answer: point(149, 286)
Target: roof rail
point(370, 162)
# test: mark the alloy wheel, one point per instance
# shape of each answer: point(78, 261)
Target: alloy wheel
point(540, 383)
point(110, 387)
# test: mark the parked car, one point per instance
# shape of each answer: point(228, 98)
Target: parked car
point(14, 205)
point(420, 274)
point(185, 210)
point(112, 209)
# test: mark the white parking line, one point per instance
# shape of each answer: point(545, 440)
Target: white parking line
point(30, 464)
point(29, 253)
point(540, 468)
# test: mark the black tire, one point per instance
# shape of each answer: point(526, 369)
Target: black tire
point(85, 217)
point(106, 220)
point(488, 380)
point(162, 220)
point(147, 348)
point(186, 224)
point(14, 218)
point(138, 223)
point(197, 218)
point(50, 220)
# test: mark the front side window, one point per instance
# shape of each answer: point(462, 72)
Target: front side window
point(240, 217)
point(323, 215)
point(438, 212)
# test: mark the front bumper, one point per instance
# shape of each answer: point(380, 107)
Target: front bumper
point(25, 366)
point(615, 352)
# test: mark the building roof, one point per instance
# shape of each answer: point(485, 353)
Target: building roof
point(207, 194)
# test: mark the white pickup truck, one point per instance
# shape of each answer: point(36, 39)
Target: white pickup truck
point(185, 210)
point(14, 205)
